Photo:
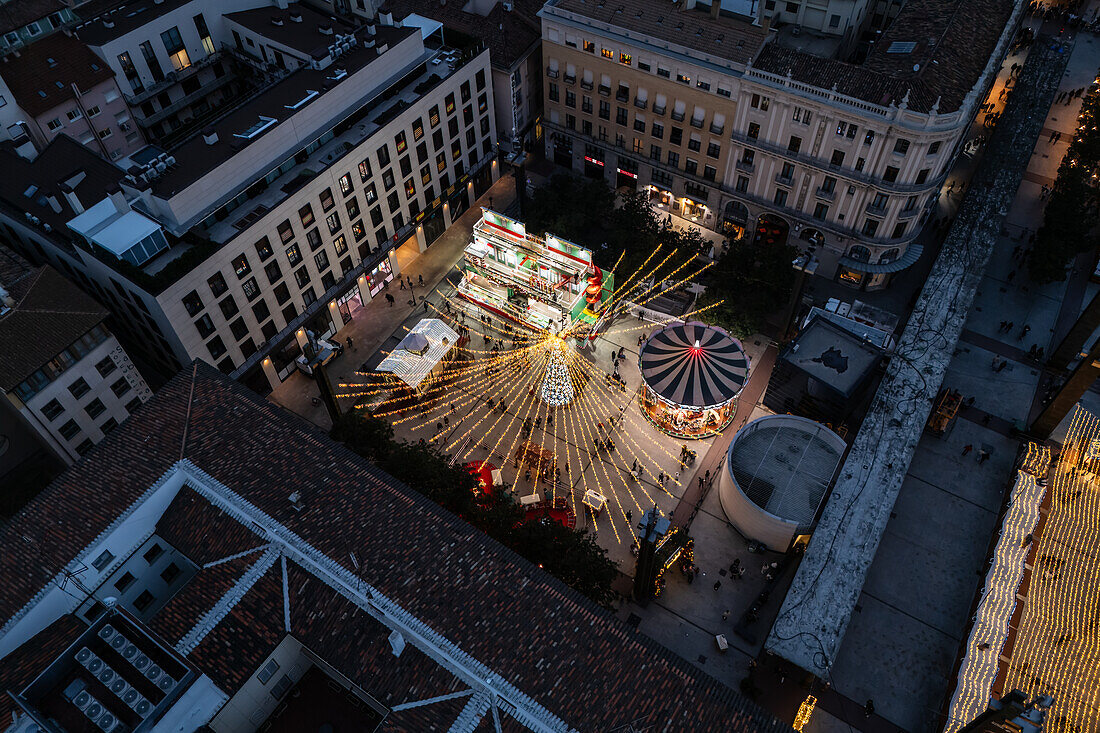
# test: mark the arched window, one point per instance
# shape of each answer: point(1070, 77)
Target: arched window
point(890, 255)
point(859, 253)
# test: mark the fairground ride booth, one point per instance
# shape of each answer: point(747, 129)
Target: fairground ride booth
point(692, 374)
point(547, 284)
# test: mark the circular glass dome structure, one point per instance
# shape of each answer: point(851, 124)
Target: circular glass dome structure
point(692, 374)
point(778, 471)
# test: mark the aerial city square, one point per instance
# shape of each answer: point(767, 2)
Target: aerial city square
point(550, 365)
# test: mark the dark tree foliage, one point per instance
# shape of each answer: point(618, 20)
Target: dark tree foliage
point(1069, 221)
point(572, 556)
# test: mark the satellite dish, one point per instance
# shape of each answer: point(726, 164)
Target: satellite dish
point(916, 67)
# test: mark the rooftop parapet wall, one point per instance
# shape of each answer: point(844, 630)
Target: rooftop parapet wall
point(816, 611)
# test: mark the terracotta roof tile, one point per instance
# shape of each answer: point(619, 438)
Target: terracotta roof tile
point(41, 77)
point(25, 663)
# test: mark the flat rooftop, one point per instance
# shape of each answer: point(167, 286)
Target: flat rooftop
point(832, 356)
point(785, 464)
point(123, 18)
point(312, 33)
point(729, 37)
point(195, 158)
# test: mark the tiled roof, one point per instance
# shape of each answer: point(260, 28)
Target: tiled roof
point(50, 313)
point(25, 663)
point(733, 38)
point(508, 34)
point(43, 75)
point(577, 660)
point(15, 15)
point(123, 16)
point(13, 267)
point(302, 35)
point(953, 41)
point(60, 161)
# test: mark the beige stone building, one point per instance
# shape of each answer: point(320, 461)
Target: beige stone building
point(749, 130)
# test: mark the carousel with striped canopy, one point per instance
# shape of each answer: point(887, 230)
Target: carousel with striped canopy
point(692, 374)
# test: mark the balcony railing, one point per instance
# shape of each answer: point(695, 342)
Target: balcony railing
point(552, 73)
point(586, 85)
point(678, 116)
point(570, 79)
point(906, 214)
point(622, 95)
point(745, 166)
point(716, 129)
point(658, 110)
point(826, 195)
point(872, 208)
point(696, 123)
point(783, 180)
point(604, 91)
point(640, 103)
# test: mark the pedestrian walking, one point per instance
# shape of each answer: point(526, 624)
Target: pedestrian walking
point(725, 614)
point(409, 280)
point(996, 360)
point(1011, 275)
point(717, 584)
point(420, 280)
point(389, 299)
point(1002, 365)
point(351, 344)
point(402, 284)
point(967, 448)
point(983, 456)
point(869, 709)
point(1023, 332)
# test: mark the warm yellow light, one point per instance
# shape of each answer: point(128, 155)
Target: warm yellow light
point(805, 710)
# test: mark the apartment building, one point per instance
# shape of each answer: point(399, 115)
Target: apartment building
point(738, 128)
point(58, 85)
point(23, 22)
point(66, 379)
point(219, 565)
point(514, 38)
point(278, 220)
point(176, 61)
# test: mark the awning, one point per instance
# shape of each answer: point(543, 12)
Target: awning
point(427, 26)
point(694, 365)
point(699, 201)
point(912, 254)
point(418, 353)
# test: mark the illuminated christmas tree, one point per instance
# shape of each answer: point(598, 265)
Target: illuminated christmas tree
point(557, 386)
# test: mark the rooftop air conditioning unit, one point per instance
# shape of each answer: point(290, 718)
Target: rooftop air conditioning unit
point(166, 684)
point(94, 710)
point(106, 675)
point(170, 160)
point(107, 632)
point(161, 167)
point(107, 722)
point(94, 665)
point(118, 642)
point(143, 707)
point(129, 652)
point(82, 700)
point(130, 697)
point(83, 655)
point(153, 673)
point(141, 662)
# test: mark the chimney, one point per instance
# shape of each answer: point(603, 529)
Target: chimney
point(277, 21)
point(210, 136)
point(295, 16)
point(54, 203)
point(715, 8)
point(71, 198)
point(325, 30)
point(108, 23)
point(385, 17)
point(296, 501)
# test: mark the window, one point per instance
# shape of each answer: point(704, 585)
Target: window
point(95, 408)
point(674, 159)
point(620, 116)
point(308, 296)
point(644, 66)
point(352, 206)
point(713, 150)
point(153, 553)
point(675, 135)
point(384, 154)
point(787, 171)
point(910, 203)
point(260, 311)
point(204, 34)
point(821, 211)
point(837, 159)
point(241, 266)
point(105, 133)
point(364, 170)
point(192, 303)
point(553, 92)
point(133, 405)
point(934, 148)
point(92, 111)
point(388, 180)
point(301, 276)
point(625, 58)
point(859, 163)
point(780, 198)
point(54, 124)
point(802, 116)
point(267, 672)
point(607, 53)
point(333, 221)
point(280, 688)
point(263, 249)
point(293, 254)
point(286, 232)
point(683, 79)
point(742, 184)
point(880, 201)
point(709, 172)
point(663, 72)
point(795, 144)
point(340, 244)
point(691, 166)
point(869, 137)
point(891, 174)
point(449, 103)
point(748, 156)
point(704, 85)
point(327, 202)
point(570, 99)
point(759, 102)
point(69, 430)
point(321, 258)
point(282, 295)
point(899, 232)
point(400, 142)
point(53, 409)
point(658, 130)
point(251, 289)
point(605, 110)
point(79, 388)
point(170, 573)
point(754, 131)
point(922, 176)
point(173, 44)
point(151, 61)
point(144, 600)
point(73, 114)
point(829, 184)
point(205, 326)
point(694, 143)
point(870, 227)
point(229, 307)
point(306, 215)
point(901, 146)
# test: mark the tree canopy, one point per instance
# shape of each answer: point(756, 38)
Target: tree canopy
point(570, 555)
point(1070, 218)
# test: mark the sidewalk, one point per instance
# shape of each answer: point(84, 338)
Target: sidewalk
point(376, 321)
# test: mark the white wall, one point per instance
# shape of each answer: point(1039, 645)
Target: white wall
point(253, 703)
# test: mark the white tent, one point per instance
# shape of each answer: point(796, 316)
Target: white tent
point(420, 351)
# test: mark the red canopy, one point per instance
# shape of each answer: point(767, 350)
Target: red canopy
point(483, 470)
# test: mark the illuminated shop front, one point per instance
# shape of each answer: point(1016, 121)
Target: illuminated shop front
point(692, 374)
point(548, 284)
point(660, 197)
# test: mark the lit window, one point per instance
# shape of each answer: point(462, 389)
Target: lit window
point(624, 58)
point(608, 54)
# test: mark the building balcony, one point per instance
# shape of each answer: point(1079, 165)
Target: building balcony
point(586, 85)
point(658, 110)
point(875, 210)
point(622, 96)
point(906, 214)
point(783, 180)
point(825, 194)
point(570, 78)
point(678, 116)
point(697, 124)
point(745, 167)
point(170, 79)
point(604, 91)
point(716, 129)
point(552, 73)
point(640, 103)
